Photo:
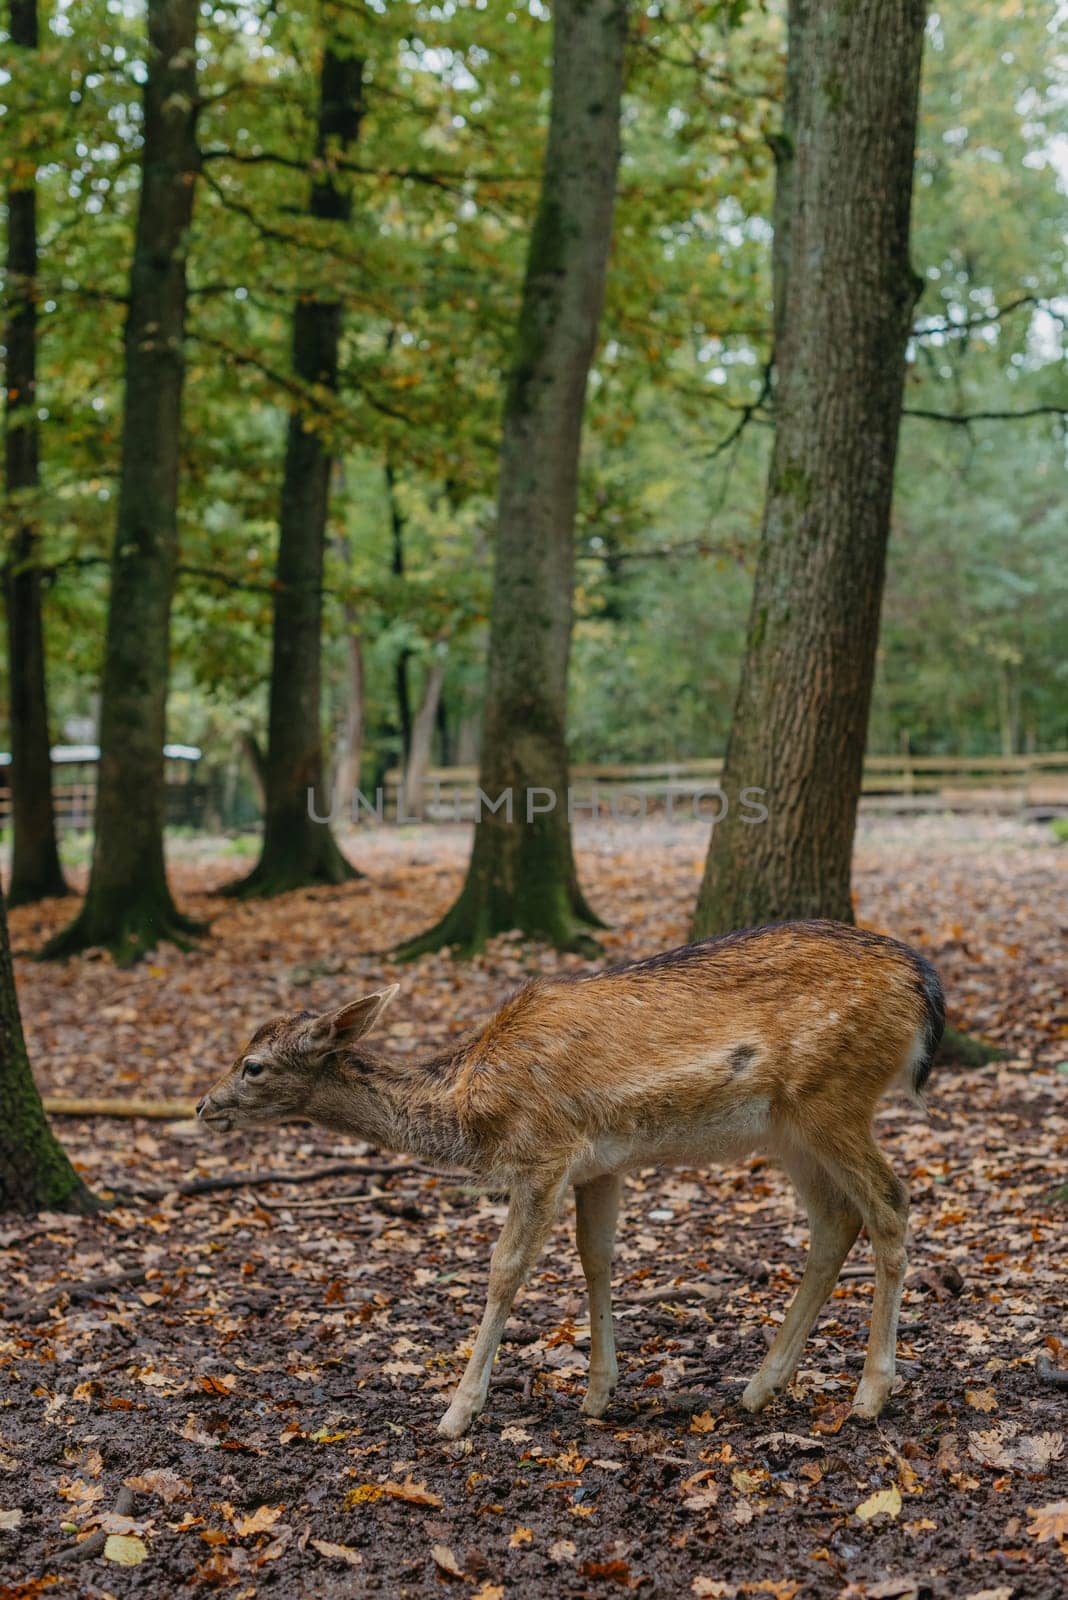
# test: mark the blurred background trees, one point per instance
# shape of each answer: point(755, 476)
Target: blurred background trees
point(427, 266)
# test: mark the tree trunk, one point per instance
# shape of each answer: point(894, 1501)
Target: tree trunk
point(297, 849)
point(350, 745)
point(846, 292)
point(401, 685)
point(129, 906)
point(35, 869)
point(414, 796)
point(522, 871)
point(35, 1174)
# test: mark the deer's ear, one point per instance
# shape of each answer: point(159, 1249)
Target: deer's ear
point(351, 1022)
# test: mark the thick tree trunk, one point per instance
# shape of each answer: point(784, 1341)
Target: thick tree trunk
point(846, 295)
point(35, 1174)
point(522, 871)
point(297, 849)
point(129, 906)
point(414, 796)
point(35, 868)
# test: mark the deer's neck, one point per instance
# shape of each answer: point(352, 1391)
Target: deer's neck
point(403, 1106)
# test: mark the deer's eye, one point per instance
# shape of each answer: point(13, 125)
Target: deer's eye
point(252, 1069)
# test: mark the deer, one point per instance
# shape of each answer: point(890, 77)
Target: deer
point(778, 1040)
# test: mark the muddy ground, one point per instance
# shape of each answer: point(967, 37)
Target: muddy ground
point(237, 1388)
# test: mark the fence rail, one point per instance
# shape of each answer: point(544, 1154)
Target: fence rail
point(1006, 784)
point(903, 783)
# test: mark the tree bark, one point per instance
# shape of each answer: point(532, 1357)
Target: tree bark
point(297, 849)
point(128, 907)
point(846, 294)
point(413, 792)
point(522, 871)
point(35, 869)
point(35, 1174)
point(402, 687)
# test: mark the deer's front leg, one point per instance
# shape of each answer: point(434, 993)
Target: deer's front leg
point(531, 1213)
point(596, 1212)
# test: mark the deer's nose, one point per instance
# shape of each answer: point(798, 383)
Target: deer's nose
point(200, 1105)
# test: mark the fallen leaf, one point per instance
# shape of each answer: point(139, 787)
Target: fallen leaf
point(515, 1435)
point(163, 1482)
point(10, 1519)
point(416, 1494)
point(125, 1549)
point(337, 1552)
point(1049, 1522)
point(702, 1422)
point(520, 1536)
point(712, 1589)
point(981, 1399)
point(213, 1385)
point(259, 1521)
point(885, 1502)
point(562, 1550)
point(445, 1559)
point(833, 1419)
point(489, 1591)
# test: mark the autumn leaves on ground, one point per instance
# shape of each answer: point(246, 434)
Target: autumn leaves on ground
point(235, 1389)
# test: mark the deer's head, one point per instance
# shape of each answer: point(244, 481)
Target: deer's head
point(277, 1073)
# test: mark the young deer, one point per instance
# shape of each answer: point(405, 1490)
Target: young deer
point(780, 1039)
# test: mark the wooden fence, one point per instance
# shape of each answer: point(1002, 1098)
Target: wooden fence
point(1006, 784)
point(1035, 784)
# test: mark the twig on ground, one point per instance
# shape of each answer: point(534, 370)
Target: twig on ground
point(36, 1309)
point(1048, 1373)
point(253, 1180)
point(85, 1549)
point(63, 1105)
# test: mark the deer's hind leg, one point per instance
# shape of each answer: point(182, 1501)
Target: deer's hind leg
point(834, 1222)
point(882, 1199)
point(596, 1213)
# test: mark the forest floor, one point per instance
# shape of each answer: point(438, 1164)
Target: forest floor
point(263, 1366)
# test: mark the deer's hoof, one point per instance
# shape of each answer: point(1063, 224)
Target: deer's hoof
point(869, 1400)
point(756, 1394)
point(456, 1421)
point(595, 1402)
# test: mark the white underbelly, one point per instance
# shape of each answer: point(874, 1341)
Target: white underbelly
point(713, 1141)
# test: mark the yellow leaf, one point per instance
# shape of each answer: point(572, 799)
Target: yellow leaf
point(981, 1399)
point(702, 1422)
point(337, 1552)
point(416, 1494)
point(711, 1589)
point(520, 1536)
point(489, 1591)
point(259, 1521)
point(125, 1549)
point(885, 1502)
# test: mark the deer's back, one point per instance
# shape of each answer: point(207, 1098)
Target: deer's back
point(797, 1019)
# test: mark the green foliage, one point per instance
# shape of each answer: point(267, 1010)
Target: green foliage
point(444, 181)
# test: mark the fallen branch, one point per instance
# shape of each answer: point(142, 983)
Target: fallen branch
point(85, 1549)
point(253, 1180)
point(61, 1105)
point(36, 1309)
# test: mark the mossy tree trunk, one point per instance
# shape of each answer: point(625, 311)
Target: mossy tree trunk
point(845, 296)
point(522, 870)
point(35, 868)
point(297, 849)
point(35, 1174)
point(128, 907)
